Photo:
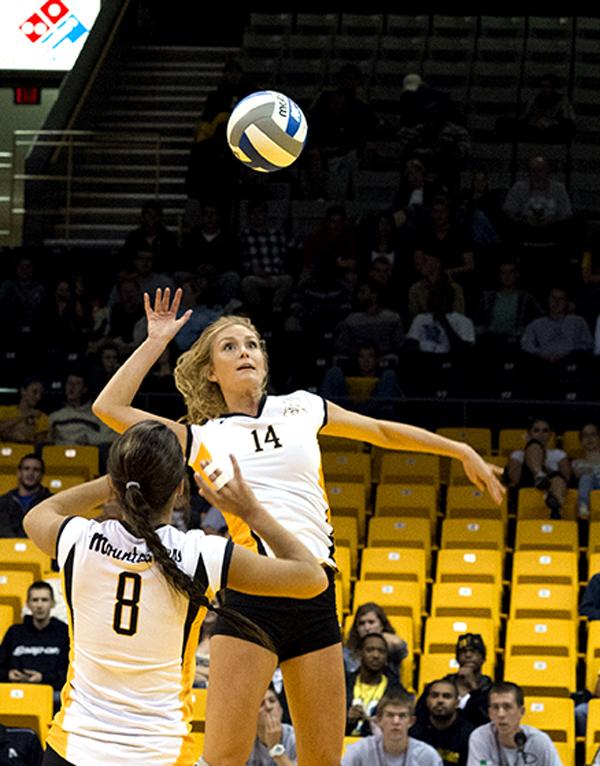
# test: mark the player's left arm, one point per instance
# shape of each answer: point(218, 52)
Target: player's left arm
point(43, 522)
point(400, 436)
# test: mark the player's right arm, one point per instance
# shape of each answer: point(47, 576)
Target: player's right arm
point(113, 403)
point(295, 573)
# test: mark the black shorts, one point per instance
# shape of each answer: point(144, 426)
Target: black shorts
point(296, 626)
point(52, 758)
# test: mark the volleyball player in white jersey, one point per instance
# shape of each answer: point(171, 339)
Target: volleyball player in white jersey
point(137, 591)
point(223, 381)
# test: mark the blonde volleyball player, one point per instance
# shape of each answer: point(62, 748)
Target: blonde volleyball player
point(136, 590)
point(223, 380)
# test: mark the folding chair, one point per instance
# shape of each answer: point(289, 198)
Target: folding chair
point(409, 468)
point(22, 555)
point(542, 676)
point(555, 716)
point(546, 535)
point(406, 564)
point(481, 534)
point(552, 567)
point(466, 600)
point(77, 460)
point(465, 566)
point(347, 466)
point(405, 500)
point(541, 637)
point(545, 602)
point(388, 532)
point(27, 705)
point(466, 501)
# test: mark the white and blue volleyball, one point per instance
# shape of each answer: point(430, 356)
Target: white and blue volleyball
point(267, 131)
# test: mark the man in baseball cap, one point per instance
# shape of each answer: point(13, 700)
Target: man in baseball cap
point(473, 686)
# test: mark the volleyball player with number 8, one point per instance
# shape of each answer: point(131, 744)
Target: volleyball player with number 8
point(223, 381)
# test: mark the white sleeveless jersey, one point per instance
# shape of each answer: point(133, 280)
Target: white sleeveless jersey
point(127, 697)
point(280, 458)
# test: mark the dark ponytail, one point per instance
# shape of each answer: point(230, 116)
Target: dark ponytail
point(146, 466)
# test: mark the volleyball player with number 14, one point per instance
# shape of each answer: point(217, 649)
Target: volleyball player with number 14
point(222, 379)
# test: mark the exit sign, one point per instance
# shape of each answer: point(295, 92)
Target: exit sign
point(27, 94)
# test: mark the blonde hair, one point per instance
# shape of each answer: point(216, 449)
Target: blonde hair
point(203, 397)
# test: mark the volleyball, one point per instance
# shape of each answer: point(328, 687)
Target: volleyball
point(267, 131)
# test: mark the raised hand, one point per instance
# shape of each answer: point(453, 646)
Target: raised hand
point(163, 323)
point(484, 476)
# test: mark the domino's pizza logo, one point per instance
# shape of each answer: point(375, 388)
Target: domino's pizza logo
point(53, 25)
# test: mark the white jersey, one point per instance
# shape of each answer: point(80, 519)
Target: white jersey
point(280, 458)
point(127, 698)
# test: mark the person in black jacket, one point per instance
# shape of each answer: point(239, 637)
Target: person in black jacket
point(28, 492)
point(19, 747)
point(441, 724)
point(37, 650)
point(473, 686)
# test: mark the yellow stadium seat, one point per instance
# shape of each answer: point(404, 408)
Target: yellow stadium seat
point(58, 483)
point(542, 676)
point(348, 499)
point(409, 468)
point(458, 477)
point(543, 601)
point(592, 655)
point(72, 459)
point(394, 564)
point(554, 715)
point(10, 455)
point(387, 532)
point(360, 388)
point(468, 502)
point(338, 444)
point(345, 532)
point(7, 618)
point(343, 559)
point(396, 598)
point(566, 753)
point(441, 634)
point(20, 554)
point(13, 590)
point(434, 666)
point(531, 505)
point(571, 444)
point(592, 735)
point(595, 505)
point(478, 438)
point(339, 599)
point(510, 439)
point(198, 744)
point(27, 705)
point(547, 535)
point(7, 482)
point(482, 534)
point(350, 741)
point(456, 565)
point(541, 637)
point(404, 500)
point(347, 466)
point(198, 709)
point(555, 567)
point(466, 600)
point(594, 538)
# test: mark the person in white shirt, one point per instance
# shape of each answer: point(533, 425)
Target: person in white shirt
point(137, 590)
point(223, 380)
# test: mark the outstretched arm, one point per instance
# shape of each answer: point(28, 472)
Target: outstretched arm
point(399, 436)
point(113, 403)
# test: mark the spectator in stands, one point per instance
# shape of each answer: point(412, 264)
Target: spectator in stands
point(152, 237)
point(389, 284)
point(586, 469)
point(473, 685)
point(127, 310)
point(197, 297)
point(441, 330)
point(442, 725)
point(371, 387)
point(547, 117)
point(506, 311)
point(413, 198)
point(266, 284)
point(371, 618)
point(36, 651)
point(67, 321)
point(380, 241)
point(368, 684)
point(589, 292)
point(107, 363)
point(75, 423)
point(160, 378)
point(213, 251)
point(275, 743)
point(213, 170)
point(537, 465)
point(590, 602)
point(481, 213)
point(19, 747)
point(24, 422)
point(540, 212)
point(148, 280)
point(28, 492)
point(21, 304)
point(332, 251)
point(505, 739)
point(341, 123)
point(392, 745)
point(558, 338)
point(433, 277)
point(370, 323)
